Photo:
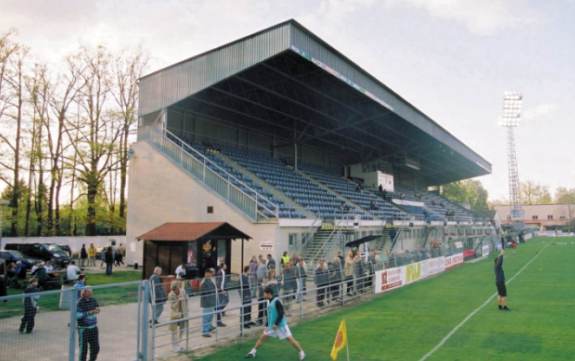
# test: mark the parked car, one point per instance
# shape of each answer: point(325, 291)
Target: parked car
point(15, 256)
point(41, 251)
point(66, 249)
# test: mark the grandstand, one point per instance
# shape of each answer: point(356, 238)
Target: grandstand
point(287, 139)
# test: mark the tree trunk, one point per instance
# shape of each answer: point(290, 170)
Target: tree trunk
point(123, 176)
point(30, 176)
point(14, 202)
point(92, 193)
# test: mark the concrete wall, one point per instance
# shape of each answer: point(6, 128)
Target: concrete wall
point(75, 242)
point(161, 192)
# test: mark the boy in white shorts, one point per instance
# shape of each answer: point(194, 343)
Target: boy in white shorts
point(277, 325)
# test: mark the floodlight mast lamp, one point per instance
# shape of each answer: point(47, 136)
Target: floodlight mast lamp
point(510, 118)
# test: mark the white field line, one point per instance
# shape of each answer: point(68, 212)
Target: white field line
point(474, 312)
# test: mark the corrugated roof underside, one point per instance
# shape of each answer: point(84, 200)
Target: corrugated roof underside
point(182, 80)
point(309, 44)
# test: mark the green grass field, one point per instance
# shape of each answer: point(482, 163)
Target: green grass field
point(408, 323)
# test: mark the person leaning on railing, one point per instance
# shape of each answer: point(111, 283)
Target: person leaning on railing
point(334, 279)
point(321, 282)
point(208, 301)
point(290, 282)
point(87, 310)
point(246, 297)
point(158, 293)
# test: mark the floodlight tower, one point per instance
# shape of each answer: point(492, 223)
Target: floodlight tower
point(512, 102)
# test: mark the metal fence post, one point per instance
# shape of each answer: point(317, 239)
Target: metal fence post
point(139, 321)
point(241, 304)
point(72, 324)
point(143, 352)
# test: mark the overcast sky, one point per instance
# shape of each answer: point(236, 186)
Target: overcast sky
point(453, 59)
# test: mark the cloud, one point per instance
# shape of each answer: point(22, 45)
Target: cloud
point(485, 17)
point(540, 112)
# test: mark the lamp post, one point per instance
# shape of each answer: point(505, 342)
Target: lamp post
point(510, 118)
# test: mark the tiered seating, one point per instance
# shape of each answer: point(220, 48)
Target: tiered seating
point(420, 213)
point(293, 185)
point(367, 200)
point(448, 209)
point(244, 182)
point(285, 211)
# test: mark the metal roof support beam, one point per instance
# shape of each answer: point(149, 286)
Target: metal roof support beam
point(288, 129)
point(299, 82)
point(316, 111)
point(289, 116)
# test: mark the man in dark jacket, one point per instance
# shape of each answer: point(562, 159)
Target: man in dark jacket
point(246, 297)
point(30, 307)
point(83, 256)
point(321, 282)
point(109, 259)
point(334, 278)
point(500, 282)
point(86, 312)
point(158, 293)
point(207, 302)
point(290, 281)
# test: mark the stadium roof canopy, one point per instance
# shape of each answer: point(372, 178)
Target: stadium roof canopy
point(285, 79)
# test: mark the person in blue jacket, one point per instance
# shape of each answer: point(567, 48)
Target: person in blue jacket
point(277, 325)
point(86, 311)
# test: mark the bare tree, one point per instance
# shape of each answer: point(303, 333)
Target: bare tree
point(39, 90)
point(98, 130)
point(61, 99)
point(128, 68)
point(12, 57)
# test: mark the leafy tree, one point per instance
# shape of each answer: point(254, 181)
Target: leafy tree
point(565, 195)
point(533, 193)
point(469, 192)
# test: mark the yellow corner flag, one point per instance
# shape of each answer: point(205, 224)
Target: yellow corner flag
point(340, 341)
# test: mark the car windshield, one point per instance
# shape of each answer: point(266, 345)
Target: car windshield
point(55, 248)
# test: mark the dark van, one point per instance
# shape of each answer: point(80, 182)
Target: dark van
point(42, 251)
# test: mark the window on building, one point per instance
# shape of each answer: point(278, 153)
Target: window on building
point(550, 217)
point(535, 218)
point(509, 217)
point(292, 239)
point(562, 218)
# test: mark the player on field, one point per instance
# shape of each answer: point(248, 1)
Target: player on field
point(500, 282)
point(277, 325)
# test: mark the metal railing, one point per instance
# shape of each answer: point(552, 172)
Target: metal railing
point(233, 190)
point(244, 318)
point(54, 333)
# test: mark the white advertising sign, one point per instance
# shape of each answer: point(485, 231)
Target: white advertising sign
point(432, 266)
point(389, 279)
point(453, 260)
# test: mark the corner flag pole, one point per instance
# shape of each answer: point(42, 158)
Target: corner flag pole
point(347, 349)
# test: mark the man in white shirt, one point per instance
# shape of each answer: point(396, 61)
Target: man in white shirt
point(181, 271)
point(72, 272)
